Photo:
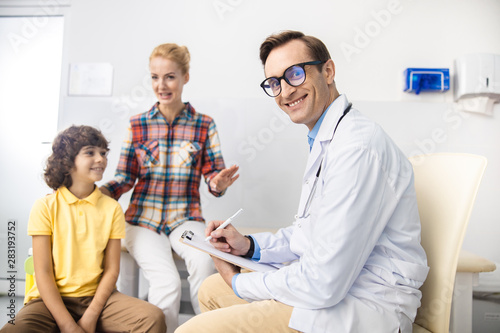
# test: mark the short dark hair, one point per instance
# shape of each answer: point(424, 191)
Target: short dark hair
point(65, 147)
point(316, 47)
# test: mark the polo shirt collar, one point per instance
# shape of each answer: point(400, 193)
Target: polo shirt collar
point(70, 198)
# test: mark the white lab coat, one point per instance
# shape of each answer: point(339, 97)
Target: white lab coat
point(358, 259)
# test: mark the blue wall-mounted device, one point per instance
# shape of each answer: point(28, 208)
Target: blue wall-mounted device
point(426, 79)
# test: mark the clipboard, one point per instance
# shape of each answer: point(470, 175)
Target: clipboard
point(189, 238)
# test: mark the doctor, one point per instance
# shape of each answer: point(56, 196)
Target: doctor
point(355, 263)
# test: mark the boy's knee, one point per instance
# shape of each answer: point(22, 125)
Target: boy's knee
point(157, 318)
point(7, 328)
point(148, 317)
point(21, 326)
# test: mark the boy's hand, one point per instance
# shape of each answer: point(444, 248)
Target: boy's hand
point(88, 322)
point(71, 328)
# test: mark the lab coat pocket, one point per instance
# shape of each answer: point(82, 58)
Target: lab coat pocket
point(148, 153)
point(316, 199)
point(310, 197)
point(304, 196)
point(186, 154)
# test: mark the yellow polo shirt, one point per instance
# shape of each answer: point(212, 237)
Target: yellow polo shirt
point(79, 230)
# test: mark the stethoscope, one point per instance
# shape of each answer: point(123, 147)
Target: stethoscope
point(305, 212)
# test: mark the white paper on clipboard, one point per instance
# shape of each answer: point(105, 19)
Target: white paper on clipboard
point(191, 239)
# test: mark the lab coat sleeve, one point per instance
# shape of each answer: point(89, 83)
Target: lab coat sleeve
point(275, 248)
point(356, 201)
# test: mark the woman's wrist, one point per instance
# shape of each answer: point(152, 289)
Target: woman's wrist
point(213, 187)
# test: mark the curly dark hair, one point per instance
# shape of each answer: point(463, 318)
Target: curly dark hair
point(65, 147)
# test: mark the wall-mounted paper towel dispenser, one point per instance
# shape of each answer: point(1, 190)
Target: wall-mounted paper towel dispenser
point(477, 82)
point(477, 74)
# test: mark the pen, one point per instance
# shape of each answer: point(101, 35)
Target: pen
point(226, 222)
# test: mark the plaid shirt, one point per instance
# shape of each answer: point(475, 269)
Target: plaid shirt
point(167, 161)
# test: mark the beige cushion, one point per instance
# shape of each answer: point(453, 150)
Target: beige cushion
point(469, 262)
point(446, 186)
point(419, 329)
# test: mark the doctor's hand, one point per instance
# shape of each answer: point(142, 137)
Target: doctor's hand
point(226, 270)
point(228, 239)
point(224, 179)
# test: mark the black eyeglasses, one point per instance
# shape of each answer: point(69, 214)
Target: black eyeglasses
point(294, 75)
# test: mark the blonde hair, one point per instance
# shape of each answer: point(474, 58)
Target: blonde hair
point(174, 52)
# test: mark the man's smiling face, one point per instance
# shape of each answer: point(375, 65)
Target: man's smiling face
point(306, 103)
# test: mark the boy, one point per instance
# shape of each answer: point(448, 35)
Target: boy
point(76, 248)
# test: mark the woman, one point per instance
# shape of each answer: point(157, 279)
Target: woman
point(167, 150)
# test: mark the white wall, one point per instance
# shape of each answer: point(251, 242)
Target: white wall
point(224, 36)
point(30, 67)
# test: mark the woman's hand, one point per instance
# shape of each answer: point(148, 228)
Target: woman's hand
point(105, 191)
point(224, 179)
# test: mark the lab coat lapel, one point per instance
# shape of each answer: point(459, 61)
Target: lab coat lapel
point(319, 148)
point(313, 163)
point(314, 160)
point(325, 136)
